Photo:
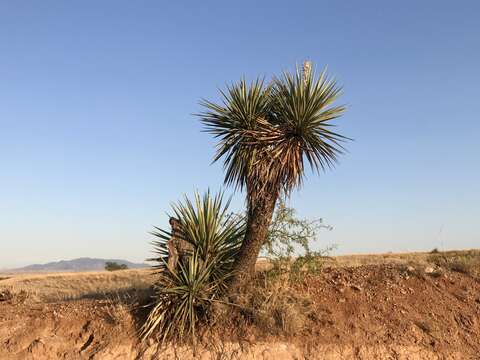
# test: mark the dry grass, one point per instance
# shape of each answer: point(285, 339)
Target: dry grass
point(420, 258)
point(52, 287)
point(378, 259)
point(275, 307)
point(466, 262)
point(436, 257)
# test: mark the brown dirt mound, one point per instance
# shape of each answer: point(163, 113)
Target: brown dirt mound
point(366, 312)
point(394, 305)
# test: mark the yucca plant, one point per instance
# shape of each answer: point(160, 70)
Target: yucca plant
point(265, 135)
point(184, 295)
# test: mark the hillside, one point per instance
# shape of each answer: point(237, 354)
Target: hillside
point(80, 264)
point(427, 307)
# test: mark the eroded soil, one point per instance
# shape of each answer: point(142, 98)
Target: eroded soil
point(366, 312)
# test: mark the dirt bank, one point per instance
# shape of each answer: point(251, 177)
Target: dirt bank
point(366, 312)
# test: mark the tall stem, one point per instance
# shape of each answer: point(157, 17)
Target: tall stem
point(259, 218)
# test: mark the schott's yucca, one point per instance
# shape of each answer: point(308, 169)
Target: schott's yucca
point(266, 135)
point(184, 295)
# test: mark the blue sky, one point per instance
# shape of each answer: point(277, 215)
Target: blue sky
point(97, 135)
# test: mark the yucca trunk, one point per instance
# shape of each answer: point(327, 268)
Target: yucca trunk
point(260, 215)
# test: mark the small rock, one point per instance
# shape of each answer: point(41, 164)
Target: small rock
point(5, 295)
point(429, 270)
point(356, 287)
point(410, 269)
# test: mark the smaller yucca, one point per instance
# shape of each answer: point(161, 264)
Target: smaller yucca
point(184, 295)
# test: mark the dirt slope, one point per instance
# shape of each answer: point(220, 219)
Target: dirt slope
point(366, 312)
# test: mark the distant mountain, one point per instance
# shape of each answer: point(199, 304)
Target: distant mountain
point(80, 264)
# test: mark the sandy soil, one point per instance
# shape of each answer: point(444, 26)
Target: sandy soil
point(382, 311)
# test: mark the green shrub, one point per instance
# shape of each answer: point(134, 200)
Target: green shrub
point(184, 296)
point(113, 266)
point(289, 243)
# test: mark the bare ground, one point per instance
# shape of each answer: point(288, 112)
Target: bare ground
point(377, 311)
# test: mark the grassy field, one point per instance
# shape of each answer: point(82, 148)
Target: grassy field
point(427, 302)
point(51, 287)
point(422, 258)
point(76, 285)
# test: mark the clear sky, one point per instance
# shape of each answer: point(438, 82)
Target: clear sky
point(97, 135)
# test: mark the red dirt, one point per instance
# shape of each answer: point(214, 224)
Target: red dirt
point(367, 312)
point(372, 306)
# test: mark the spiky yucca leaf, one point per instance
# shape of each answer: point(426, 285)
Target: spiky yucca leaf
point(267, 132)
point(184, 295)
